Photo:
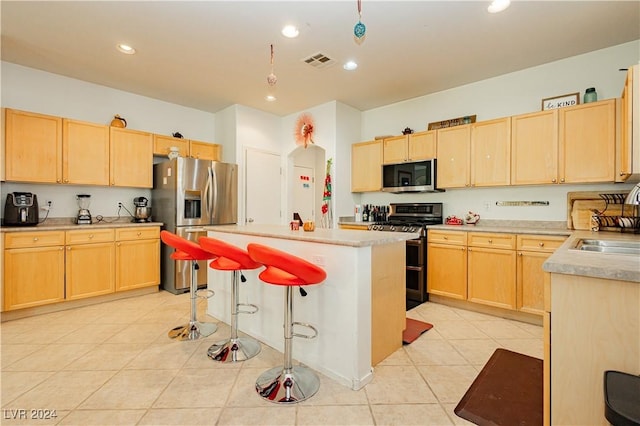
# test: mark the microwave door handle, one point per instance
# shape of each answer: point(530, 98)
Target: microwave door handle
point(207, 195)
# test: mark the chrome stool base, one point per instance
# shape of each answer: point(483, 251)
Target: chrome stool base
point(193, 330)
point(234, 350)
point(286, 387)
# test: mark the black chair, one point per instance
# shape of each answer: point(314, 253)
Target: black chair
point(622, 398)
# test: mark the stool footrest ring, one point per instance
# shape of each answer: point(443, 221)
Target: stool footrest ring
point(207, 294)
point(248, 311)
point(305, 336)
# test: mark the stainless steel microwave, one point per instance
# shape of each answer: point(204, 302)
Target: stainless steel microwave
point(418, 176)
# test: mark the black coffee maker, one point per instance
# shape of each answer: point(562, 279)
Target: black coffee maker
point(21, 209)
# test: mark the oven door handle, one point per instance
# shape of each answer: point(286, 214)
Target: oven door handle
point(415, 242)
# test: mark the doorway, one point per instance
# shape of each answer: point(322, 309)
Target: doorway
point(263, 190)
point(304, 192)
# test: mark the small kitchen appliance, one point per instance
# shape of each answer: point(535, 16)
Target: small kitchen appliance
point(84, 216)
point(142, 212)
point(21, 209)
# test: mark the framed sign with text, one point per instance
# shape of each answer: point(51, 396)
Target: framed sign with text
point(570, 99)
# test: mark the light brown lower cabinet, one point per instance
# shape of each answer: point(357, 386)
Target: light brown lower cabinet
point(496, 269)
point(45, 267)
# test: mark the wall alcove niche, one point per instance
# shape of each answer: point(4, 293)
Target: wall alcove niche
point(306, 172)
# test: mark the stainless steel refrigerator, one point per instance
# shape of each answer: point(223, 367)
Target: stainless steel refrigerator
point(187, 195)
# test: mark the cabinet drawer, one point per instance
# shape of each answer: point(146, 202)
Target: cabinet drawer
point(447, 237)
point(484, 239)
point(146, 233)
point(33, 239)
point(89, 236)
point(543, 243)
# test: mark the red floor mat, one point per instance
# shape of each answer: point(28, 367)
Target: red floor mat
point(414, 329)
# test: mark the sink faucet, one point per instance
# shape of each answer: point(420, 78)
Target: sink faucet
point(634, 195)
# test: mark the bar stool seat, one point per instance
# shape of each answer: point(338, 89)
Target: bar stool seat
point(287, 384)
point(192, 252)
point(232, 258)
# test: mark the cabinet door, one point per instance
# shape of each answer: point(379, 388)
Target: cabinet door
point(137, 264)
point(90, 270)
point(33, 147)
point(447, 270)
point(394, 150)
point(491, 152)
point(366, 166)
point(85, 153)
point(492, 277)
point(530, 281)
point(33, 277)
point(162, 144)
point(422, 145)
point(453, 157)
point(204, 150)
point(624, 159)
point(587, 142)
point(534, 148)
point(131, 162)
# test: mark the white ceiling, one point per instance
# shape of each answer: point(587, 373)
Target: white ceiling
point(211, 54)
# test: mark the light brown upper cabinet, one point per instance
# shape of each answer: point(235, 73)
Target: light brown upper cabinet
point(491, 152)
point(162, 144)
point(587, 138)
point(131, 160)
point(413, 147)
point(85, 153)
point(534, 148)
point(204, 150)
point(629, 140)
point(33, 147)
point(366, 166)
point(454, 156)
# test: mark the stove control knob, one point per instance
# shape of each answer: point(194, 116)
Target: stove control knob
point(392, 228)
point(405, 229)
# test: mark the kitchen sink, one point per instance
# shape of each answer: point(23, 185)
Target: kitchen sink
point(608, 246)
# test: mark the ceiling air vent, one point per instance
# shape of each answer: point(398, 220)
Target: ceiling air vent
point(319, 60)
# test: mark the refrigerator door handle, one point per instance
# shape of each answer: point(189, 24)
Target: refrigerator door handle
point(214, 194)
point(207, 195)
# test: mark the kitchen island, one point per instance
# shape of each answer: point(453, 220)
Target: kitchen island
point(359, 310)
point(591, 324)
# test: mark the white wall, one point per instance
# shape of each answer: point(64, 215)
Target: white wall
point(510, 94)
point(33, 90)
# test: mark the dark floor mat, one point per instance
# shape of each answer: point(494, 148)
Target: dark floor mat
point(508, 391)
point(413, 330)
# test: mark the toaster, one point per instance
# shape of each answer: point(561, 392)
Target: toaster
point(21, 209)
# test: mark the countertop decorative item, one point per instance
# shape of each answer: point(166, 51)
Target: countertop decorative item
point(177, 135)
point(174, 152)
point(407, 131)
point(471, 218)
point(453, 220)
point(467, 119)
point(327, 219)
point(303, 130)
point(118, 121)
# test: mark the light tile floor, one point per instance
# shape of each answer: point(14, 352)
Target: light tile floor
point(113, 364)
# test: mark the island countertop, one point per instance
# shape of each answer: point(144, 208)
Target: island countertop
point(341, 237)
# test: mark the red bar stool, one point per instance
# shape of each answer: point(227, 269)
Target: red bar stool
point(232, 258)
point(287, 384)
point(190, 251)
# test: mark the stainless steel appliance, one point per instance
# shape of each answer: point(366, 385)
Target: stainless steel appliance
point(187, 195)
point(142, 212)
point(21, 209)
point(84, 216)
point(413, 217)
point(417, 176)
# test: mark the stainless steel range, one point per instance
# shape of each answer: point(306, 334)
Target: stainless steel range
point(413, 217)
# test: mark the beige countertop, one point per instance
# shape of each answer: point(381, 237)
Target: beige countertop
point(66, 224)
point(621, 267)
point(342, 237)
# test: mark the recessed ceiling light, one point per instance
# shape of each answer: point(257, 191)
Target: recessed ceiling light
point(290, 31)
point(498, 6)
point(350, 66)
point(270, 98)
point(125, 48)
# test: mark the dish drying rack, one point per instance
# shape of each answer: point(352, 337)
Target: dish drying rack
point(627, 221)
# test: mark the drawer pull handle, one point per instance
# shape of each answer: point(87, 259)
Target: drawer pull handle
point(445, 237)
point(139, 233)
point(35, 238)
point(541, 244)
point(91, 236)
point(490, 241)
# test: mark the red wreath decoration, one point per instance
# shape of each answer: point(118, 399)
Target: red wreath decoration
point(303, 131)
